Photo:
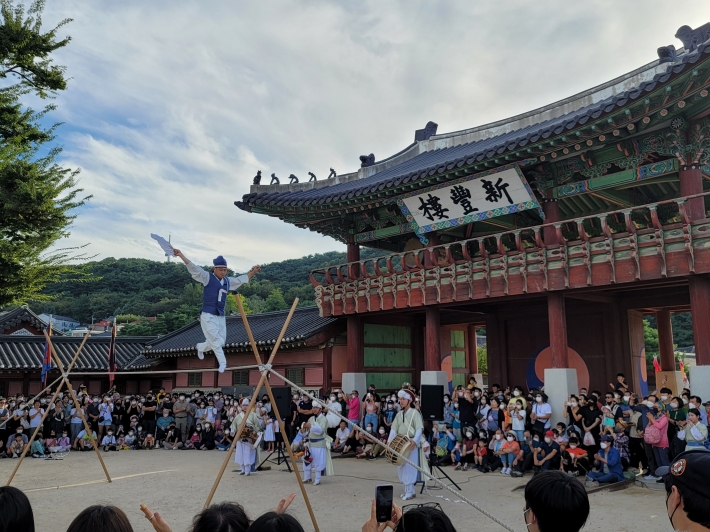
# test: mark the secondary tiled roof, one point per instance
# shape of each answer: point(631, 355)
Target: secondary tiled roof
point(26, 352)
point(19, 315)
point(306, 323)
point(442, 160)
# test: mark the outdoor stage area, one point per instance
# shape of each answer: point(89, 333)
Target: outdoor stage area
point(176, 484)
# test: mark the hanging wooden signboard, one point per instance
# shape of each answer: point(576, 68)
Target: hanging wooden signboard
point(469, 199)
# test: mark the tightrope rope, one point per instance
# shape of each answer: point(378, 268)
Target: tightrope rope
point(170, 371)
point(375, 440)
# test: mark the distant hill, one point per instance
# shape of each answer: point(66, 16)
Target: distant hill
point(136, 288)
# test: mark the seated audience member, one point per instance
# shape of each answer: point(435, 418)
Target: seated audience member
point(608, 460)
point(226, 442)
point(101, 519)
point(37, 448)
point(508, 452)
point(194, 440)
point(524, 460)
point(51, 442)
point(16, 447)
point(163, 424)
point(355, 442)
point(130, 440)
point(275, 522)
point(688, 490)
point(341, 436)
point(575, 460)
point(467, 449)
point(379, 448)
point(206, 442)
point(83, 441)
point(547, 455)
point(15, 511)
point(148, 442)
point(555, 501)
point(109, 443)
point(480, 455)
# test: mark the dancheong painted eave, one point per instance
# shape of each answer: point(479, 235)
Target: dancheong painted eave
point(649, 93)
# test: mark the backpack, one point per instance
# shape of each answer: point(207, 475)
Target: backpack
point(652, 434)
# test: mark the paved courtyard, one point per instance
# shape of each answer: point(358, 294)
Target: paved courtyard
point(176, 483)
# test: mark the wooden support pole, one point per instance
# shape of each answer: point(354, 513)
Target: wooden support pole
point(355, 362)
point(473, 350)
point(432, 347)
point(552, 214)
point(665, 340)
point(699, 286)
point(87, 428)
point(46, 412)
point(558, 329)
point(691, 182)
point(263, 381)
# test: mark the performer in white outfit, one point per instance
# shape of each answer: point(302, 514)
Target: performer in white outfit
point(246, 453)
point(408, 422)
point(318, 444)
point(214, 298)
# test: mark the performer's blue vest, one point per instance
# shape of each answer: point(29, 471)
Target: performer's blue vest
point(214, 296)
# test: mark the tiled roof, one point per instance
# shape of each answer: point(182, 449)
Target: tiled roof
point(18, 316)
point(26, 352)
point(306, 322)
point(443, 160)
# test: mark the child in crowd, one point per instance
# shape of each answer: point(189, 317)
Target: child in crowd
point(37, 448)
point(51, 442)
point(194, 439)
point(17, 447)
point(149, 442)
point(109, 441)
point(130, 440)
point(63, 443)
point(480, 456)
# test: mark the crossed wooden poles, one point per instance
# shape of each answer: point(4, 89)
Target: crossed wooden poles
point(263, 382)
point(65, 381)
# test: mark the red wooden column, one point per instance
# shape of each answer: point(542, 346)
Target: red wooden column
point(432, 347)
point(558, 329)
point(472, 349)
point(665, 340)
point(699, 286)
point(353, 255)
point(552, 214)
point(356, 352)
point(327, 366)
point(691, 182)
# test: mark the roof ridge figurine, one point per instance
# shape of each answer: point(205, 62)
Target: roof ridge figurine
point(292, 179)
point(692, 38)
point(257, 177)
point(332, 174)
point(313, 177)
point(274, 180)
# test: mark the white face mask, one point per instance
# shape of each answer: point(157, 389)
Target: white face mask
point(516, 393)
point(510, 438)
point(548, 439)
point(518, 407)
point(572, 445)
point(381, 431)
point(446, 399)
point(650, 404)
point(460, 394)
point(692, 405)
point(626, 398)
point(332, 398)
point(538, 399)
point(674, 405)
point(497, 436)
point(469, 435)
point(664, 398)
point(476, 394)
point(603, 445)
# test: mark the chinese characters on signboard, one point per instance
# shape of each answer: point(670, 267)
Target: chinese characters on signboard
point(467, 200)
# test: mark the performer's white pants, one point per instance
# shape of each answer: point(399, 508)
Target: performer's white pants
point(245, 456)
point(318, 464)
point(215, 331)
point(408, 474)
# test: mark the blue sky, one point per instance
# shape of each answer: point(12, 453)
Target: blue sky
point(173, 106)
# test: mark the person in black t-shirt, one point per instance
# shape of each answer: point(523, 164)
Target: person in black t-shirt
point(93, 414)
point(149, 408)
point(468, 406)
point(305, 410)
point(292, 426)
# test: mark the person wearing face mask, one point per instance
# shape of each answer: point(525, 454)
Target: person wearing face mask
point(468, 405)
point(482, 414)
point(370, 411)
point(519, 394)
point(108, 443)
point(180, 409)
point(608, 460)
point(540, 414)
point(148, 408)
point(388, 415)
point(693, 433)
point(555, 501)
point(508, 452)
point(547, 454)
point(688, 491)
point(676, 416)
point(334, 410)
point(575, 460)
point(656, 435)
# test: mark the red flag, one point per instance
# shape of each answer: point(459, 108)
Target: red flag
point(682, 367)
point(112, 354)
point(47, 358)
point(656, 365)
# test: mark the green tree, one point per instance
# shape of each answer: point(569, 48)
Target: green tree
point(36, 194)
point(275, 301)
point(482, 355)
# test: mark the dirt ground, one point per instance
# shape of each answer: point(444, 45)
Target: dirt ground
point(176, 483)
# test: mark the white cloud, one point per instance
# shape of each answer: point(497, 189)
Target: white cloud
point(173, 106)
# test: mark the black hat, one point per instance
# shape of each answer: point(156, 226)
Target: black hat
point(691, 469)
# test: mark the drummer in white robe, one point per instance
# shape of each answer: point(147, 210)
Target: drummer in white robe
point(408, 422)
point(246, 453)
point(319, 445)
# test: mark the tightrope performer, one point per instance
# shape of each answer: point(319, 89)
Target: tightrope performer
point(318, 445)
point(245, 456)
point(214, 298)
point(408, 422)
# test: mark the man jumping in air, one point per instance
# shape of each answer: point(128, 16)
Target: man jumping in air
point(214, 299)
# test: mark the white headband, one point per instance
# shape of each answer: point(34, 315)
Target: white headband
point(405, 394)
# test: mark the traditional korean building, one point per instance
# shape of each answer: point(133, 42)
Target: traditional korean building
point(22, 322)
point(556, 230)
